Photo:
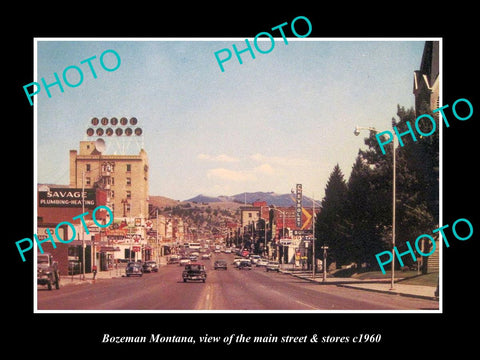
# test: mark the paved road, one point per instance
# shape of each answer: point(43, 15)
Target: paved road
point(232, 289)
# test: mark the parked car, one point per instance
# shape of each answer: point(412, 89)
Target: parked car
point(262, 262)
point(47, 271)
point(273, 266)
point(206, 256)
point(150, 266)
point(254, 258)
point(237, 260)
point(220, 264)
point(245, 265)
point(194, 272)
point(134, 268)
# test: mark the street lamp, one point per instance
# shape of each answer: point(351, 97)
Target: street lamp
point(283, 228)
point(357, 132)
point(265, 227)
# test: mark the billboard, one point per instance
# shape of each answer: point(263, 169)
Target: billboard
point(66, 197)
point(298, 207)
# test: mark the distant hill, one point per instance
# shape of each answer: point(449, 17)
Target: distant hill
point(162, 201)
point(204, 199)
point(270, 198)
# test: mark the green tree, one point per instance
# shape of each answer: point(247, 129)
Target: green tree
point(330, 224)
point(361, 214)
point(416, 189)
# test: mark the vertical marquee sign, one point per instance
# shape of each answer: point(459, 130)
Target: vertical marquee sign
point(298, 208)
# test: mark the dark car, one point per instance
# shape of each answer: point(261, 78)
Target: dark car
point(47, 271)
point(220, 264)
point(150, 266)
point(194, 272)
point(134, 268)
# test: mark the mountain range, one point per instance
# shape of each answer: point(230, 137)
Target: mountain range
point(270, 198)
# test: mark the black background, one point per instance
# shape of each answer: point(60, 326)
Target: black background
point(403, 334)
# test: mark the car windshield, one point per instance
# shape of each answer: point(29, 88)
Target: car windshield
point(194, 267)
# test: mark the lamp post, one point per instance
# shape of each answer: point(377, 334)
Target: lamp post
point(283, 228)
point(357, 132)
point(264, 228)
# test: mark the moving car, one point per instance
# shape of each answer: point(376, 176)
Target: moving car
point(273, 266)
point(134, 268)
point(184, 261)
point(194, 272)
point(220, 264)
point(206, 256)
point(174, 259)
point(150, 266)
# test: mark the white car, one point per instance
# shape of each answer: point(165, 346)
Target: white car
point(262, 262)
point(184, 261)
point(237, 260)
point(273, 266)
point(254, 258)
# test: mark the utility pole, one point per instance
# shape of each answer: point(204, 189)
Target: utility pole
point(313, 237)
point(83, 230)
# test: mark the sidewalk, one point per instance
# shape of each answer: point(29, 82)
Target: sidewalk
point(77, 279)
point(376, 285)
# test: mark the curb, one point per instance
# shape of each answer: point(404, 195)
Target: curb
point(346, 285)
point(390, 292)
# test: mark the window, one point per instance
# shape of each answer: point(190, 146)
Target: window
point(129, 194)
point(112, 194)
point(87, 181)
point(129, 181)
point(87, 167)
point(129, 167)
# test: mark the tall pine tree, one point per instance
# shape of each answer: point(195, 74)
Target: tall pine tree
point(416, 190)
point(330, 225)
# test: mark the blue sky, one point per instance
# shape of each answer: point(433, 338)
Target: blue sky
point(283, 118)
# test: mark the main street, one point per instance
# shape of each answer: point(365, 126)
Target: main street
point(232, 289)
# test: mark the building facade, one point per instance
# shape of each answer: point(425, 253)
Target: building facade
point(426, 80)
point(124, 177)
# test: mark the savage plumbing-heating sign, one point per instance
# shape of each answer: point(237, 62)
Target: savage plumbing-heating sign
point(66, 197)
